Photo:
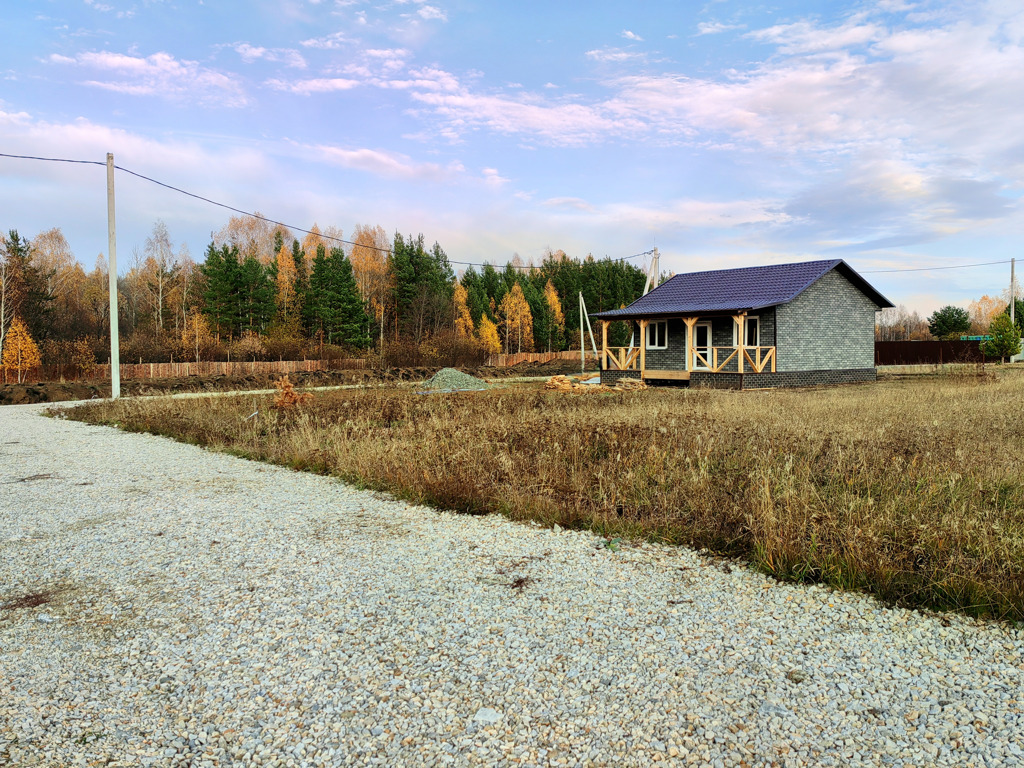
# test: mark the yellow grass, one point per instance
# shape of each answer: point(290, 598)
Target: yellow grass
point(910, 489)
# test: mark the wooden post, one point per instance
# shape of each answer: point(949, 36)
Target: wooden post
point(741, 341)
point(604, 345)
point(690, 322)
point(643, 346)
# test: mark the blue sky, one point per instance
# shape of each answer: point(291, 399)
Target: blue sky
point(888, 133)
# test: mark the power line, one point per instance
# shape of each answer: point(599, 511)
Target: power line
point(932, 269)
point(264, 218)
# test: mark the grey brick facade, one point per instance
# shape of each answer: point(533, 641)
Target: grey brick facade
point(831, 325)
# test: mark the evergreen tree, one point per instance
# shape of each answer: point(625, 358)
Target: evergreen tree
point(1005, 341)
point(335, 305)
point(949, 322)
point(257, 306)
point(223, 289)
point(30, 298)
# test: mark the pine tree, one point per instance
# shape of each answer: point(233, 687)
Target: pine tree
point(1005, 341)
point(223, 289)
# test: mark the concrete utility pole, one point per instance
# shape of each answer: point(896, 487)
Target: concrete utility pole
point(1013, 289)
point(115, 349)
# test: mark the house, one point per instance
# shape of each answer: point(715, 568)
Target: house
point(784, 325)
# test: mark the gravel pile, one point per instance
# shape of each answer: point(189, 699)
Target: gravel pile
point(164, 606)
point(453, 380)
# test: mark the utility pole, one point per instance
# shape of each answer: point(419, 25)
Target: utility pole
point(115, 349)
point(1013, 290)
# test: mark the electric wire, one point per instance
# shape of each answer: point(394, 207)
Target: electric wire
point(261, 217)
point(389, 250)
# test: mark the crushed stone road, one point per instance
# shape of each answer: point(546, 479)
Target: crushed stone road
point(161, 605)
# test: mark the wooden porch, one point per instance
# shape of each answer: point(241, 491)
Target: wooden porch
point(739, 358)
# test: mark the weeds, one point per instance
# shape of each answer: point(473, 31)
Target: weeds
point(910, 489)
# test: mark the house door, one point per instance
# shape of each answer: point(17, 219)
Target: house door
point(702, 346)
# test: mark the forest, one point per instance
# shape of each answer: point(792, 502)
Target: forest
point(262, 293)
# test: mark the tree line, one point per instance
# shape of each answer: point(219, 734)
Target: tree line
point(262, 293)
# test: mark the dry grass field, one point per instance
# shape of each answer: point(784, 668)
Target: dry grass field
point(911, 489)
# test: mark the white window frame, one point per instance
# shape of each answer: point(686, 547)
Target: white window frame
point(711, 344)
point(757, 324)
point(663, 336)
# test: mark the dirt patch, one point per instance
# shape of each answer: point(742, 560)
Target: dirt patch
point(31, 600)
point(58, 391)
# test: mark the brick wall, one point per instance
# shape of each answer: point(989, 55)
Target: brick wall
point(781, 378)
point(831, 325)
point(611, 377)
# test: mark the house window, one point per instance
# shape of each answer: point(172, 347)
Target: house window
point(657, 335)
point(751, 332)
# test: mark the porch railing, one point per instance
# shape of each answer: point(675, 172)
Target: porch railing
point(621, 359)
point(715, 359)
point(712, 359)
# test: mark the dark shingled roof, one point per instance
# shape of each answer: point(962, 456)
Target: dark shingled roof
point(731, 290)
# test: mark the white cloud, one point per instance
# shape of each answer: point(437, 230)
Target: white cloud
point(286, 56)
point(714, 28)
point(159, 75)
point(329, 42)
point(631, 35)
point(431, 12)
point(616, 55)
point(313, 85)
point(493, 178)
point(387, 164)
point(569, 203)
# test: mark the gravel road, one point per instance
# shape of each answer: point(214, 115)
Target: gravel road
point(163, 606)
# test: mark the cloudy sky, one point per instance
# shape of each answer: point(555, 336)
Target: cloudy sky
point(888, 133)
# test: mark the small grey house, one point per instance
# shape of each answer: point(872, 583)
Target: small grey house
point(782, 325)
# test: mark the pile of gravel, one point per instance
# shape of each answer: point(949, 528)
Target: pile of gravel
point(453, 380)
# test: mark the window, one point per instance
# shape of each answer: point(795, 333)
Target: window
point(751, 332)
point(657, 335)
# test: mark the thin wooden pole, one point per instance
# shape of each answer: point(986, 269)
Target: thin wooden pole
point(604, 344)
point(643, 346)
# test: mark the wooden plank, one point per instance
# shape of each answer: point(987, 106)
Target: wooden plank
point(741, 341)
point(690, 322)
point(604, 345)
point(643, 346)
point(676, 375)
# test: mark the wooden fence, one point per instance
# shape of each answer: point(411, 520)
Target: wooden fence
point(502, 361)
point(927, 352)
point(180, 370)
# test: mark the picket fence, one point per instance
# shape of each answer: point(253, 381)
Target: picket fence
point(179, 370)
point(502, 361)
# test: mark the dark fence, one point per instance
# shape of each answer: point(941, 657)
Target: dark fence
point(927, 352)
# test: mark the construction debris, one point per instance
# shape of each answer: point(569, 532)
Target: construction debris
point(581, 384)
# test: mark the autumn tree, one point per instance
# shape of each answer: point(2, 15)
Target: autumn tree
point(463, 318)
point(158, 271)
point(285, 275)
point(254, 237)
point(369, 259)
point(983, 312)
point(517, 320)
point(20, 351)
point(195, 336)
point(556, 318)
point(488, 335)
